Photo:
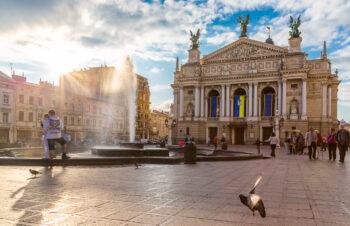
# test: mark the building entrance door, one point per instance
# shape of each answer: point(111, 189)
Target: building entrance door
point(239, 135)
point(213, 132)
point(267, 131)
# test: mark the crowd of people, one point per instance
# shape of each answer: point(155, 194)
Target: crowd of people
point(314, 141)
point(54, 132)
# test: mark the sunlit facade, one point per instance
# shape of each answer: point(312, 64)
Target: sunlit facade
point(249, 89)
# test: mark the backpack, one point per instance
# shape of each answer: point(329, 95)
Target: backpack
point(330, 139)
point(343, 137)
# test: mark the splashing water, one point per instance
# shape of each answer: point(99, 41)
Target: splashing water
point(128, 84)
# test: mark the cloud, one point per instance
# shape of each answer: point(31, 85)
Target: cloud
point(164, 106)
point(160, 87)
point(155, 70)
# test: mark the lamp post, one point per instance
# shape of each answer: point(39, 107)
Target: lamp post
point(172, 125)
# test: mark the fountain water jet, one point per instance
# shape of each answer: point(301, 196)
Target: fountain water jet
point(128, 80)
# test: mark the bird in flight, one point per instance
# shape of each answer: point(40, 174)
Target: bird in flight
point(254, 201)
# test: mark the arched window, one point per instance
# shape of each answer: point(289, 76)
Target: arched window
point(214, 103)
point(268, 102)
point(239, 103)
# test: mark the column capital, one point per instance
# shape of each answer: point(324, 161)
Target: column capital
point(284, 80)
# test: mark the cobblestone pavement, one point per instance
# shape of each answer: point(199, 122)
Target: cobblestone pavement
point(296, 191)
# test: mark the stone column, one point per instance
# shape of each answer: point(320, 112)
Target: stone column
point(250, 102)
point(222, 101)
point(284, 98)
point(202, 101)
point(329, 101)
point(181, 107)
point(196, 101)
point(324, 100)
point(227, 100)
point(175, 105)
point(279, 97)
point(255, 99)
point(304, 101)
point(206, 107)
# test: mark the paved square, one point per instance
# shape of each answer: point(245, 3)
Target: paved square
point(295, 191)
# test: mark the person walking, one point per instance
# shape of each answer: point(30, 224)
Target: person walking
point(332, 144)
point(53, 129)
point(287, 145)
point(273, 144)
point(343, 140)
point(310, 139)
point(300, 144)
point(215, 142)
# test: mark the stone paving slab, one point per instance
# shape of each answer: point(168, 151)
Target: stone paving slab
point(296, 191)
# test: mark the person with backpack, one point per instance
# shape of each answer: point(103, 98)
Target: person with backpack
point(343, 139)
point(332, 144)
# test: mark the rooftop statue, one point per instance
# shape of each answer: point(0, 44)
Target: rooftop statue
point(195, 39)
point(294, 27)
point(244, 25)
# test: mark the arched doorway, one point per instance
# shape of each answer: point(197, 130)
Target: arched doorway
point(239, 103)
point(214, 103)
point(268, 102)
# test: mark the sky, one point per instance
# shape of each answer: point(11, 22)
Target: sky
point(45, 39)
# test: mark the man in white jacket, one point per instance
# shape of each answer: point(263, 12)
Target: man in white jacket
point(52, 127)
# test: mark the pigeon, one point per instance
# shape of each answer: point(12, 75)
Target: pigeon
point(254, 201)
point(136, 165)
point(34, 172)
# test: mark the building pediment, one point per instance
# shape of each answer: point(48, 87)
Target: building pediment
point(243, 49)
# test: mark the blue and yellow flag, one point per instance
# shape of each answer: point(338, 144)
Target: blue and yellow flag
point(239, 106)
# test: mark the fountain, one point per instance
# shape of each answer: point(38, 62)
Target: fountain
point(125, 85)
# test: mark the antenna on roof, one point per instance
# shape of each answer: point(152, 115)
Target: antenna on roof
point(11, 68)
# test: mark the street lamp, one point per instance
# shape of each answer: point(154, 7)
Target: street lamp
point(172, 125)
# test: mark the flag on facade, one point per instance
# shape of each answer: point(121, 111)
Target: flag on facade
point(239, 106)
point(268, 105)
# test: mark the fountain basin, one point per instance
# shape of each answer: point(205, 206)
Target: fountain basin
point(116, 151)
point(131, 145)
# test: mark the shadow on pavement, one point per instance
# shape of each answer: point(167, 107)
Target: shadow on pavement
point(38, 195)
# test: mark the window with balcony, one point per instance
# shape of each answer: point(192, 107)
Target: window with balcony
point(6, 99)
point(31, 117)
point(40, 101)
point(21, 116)
point(31, 100)
point(21, 99)
point(5, 117)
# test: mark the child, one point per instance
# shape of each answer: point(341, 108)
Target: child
point(258, 143)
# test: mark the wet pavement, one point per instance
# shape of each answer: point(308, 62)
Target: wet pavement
point(295, 191)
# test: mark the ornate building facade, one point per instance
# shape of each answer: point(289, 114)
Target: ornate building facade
point(143, 108)
point(158, 127)
point(249, 89)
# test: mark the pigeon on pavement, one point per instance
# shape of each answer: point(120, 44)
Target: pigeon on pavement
point(254, 201)
point(34, 172)
point(136, 165)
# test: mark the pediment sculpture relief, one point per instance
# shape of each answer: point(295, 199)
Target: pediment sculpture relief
point(243, 51)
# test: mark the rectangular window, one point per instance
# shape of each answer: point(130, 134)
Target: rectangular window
point(65, 119)
point(5, 117)
point(40, 101)
point(21, 99)
point(190, 92)
point(31, 117)
point(21, 116)
point(40, 116)
point(294, 86)
point(187, 130)
point(79, 121)
point(31, 100)
point(6, 99)
point(72, 120)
